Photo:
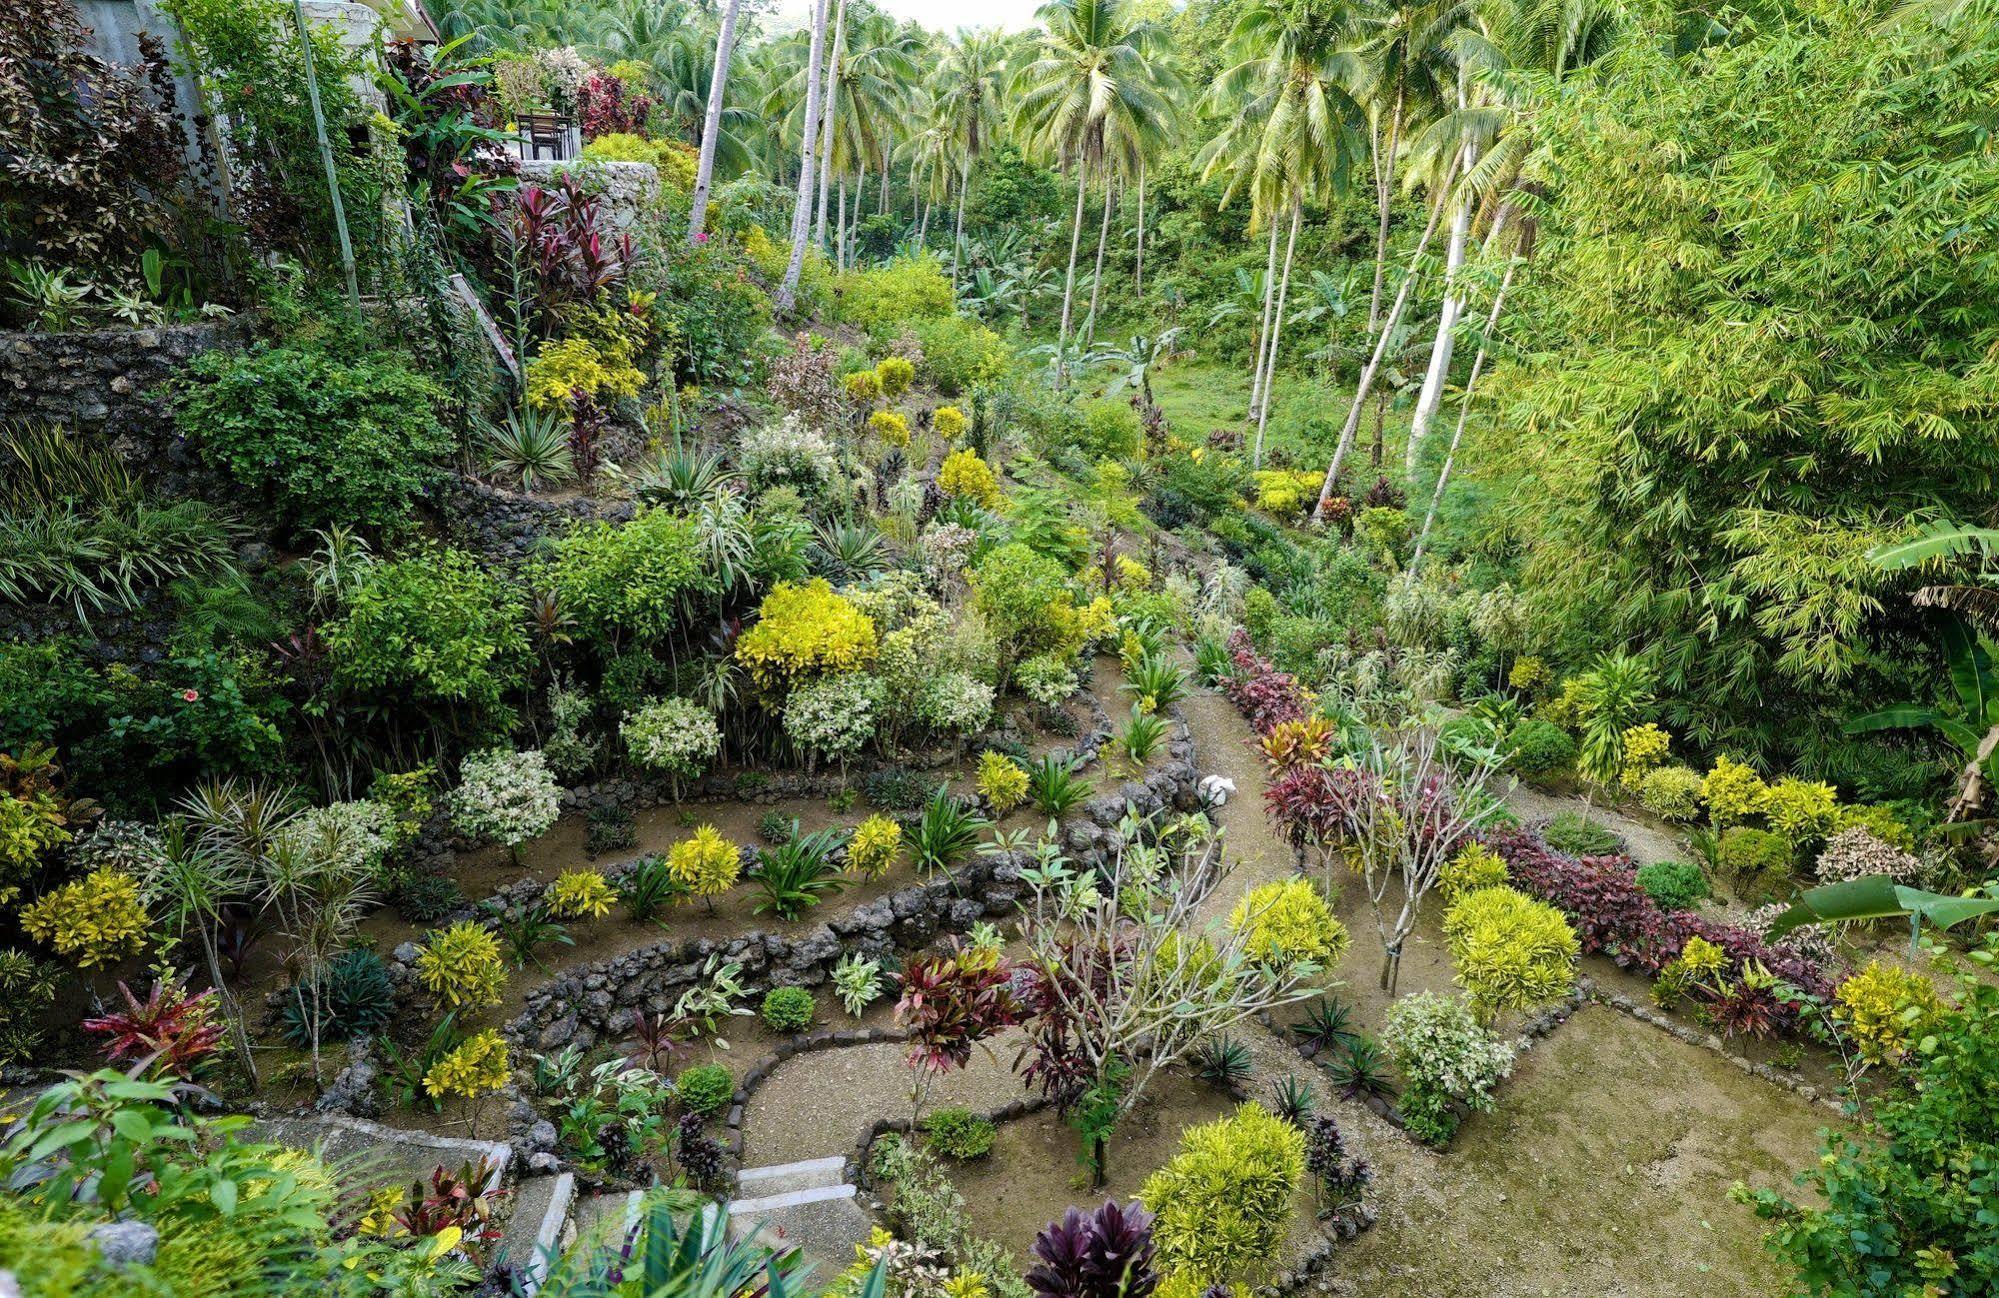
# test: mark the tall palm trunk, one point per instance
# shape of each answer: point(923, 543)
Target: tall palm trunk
point(1384, 190)
point(882, 208)
point(1097, 277)
point(1277, 331)
point(832, 112)
point(840, 230)
point(1138, 261)
point(958, 229)
point(711, 126)
point(801, 211)
point(1069, 281)
point(1263, 324)
point(1464, 412)
point(1368, 375)
point(1432, 394)
point(854, 225)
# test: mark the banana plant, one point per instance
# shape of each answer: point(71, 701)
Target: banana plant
point(1880, 897)
point(1972, 727)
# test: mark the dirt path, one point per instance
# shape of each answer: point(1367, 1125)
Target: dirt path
point(1646, 841)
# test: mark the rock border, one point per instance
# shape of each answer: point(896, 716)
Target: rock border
point(1714, 1044)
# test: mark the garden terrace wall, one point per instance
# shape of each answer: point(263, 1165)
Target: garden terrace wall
point(627, 189)
point(109, 385)
point(599, 1003)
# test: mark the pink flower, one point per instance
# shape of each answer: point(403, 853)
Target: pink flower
point(701, 237)
point(189, 696)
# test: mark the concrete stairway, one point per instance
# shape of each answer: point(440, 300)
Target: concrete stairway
point(809, 1206)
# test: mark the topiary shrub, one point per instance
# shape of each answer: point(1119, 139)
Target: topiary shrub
point(1675, 885)
point(1475, 866)
point(1537, 747)
point(958, 1134)
point(1221, 1207)
point(788, 1009)
point(1512, 952)
point(1577, 835)
point(705, 1088)
point(1671, 792)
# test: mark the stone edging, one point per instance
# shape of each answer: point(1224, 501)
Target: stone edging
point(857, 1161)
point(1713, 1044)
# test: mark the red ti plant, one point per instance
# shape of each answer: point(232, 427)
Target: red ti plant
point(950, 1003)
point(176, 1030)
point(605, 105)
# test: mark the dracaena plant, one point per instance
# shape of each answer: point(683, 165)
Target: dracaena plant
point(1102, 1254)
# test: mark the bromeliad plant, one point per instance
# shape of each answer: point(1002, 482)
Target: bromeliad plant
point(171, 1030)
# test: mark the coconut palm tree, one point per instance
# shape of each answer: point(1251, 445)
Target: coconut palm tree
point(966, 95)
point(787, 292)
point(1093, 97)
point(711, 124)
point(1291, 133)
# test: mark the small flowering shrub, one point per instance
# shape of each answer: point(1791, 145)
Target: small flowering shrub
point(891, 426)
point(805, 630)
point(876, 843)
point(1733, 792)
point(580, 894)
point(706, 864)
point(1512, 952)
point(1671, 792)
point(461, 966)
point(1289, 922)
point(1856, 853)
point(834, 716)
point(96, 920)
point(787, 454)
point(477, 1066)
point(674, 735)
point(1445, 1057)
point(955, 703)
point(1475, 866)
point(1002, 782)
point(894, 374)
point(510, 797)
point(1883, 1008)
point(949, 421)
point(965, 476)
point(1048, 679)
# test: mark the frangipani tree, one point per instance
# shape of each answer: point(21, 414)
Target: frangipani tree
point(1132, 969)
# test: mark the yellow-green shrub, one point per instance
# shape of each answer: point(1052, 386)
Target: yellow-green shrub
point(1733, 792)
point(895, 375)
point(477, 1066)
point(964, 475)
point(1288, 922)
point(1646, 746)
point(1285, 491)
point(804, 630)
point(96, 920)
point(1530, 675)
point(949, 421)
point(877, 841)
point(461, 966)
point(567, 366)
point(891, 426)
point(1804, 811)
point(1512, 952)
point(580, 894)
point(1883, 1007)
point(1475, 866)
point(1002, 781)
point(861, 386)
point(906, 289)
point(1222, 1206)
point(706, 864)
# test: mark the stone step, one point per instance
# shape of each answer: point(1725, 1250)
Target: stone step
point(770, 1203)
point(534, 1234)
point(825, 1225)
point(781, 1178)
point(606, 1218)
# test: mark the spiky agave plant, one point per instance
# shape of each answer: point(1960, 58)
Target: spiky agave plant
point(1103, 1254)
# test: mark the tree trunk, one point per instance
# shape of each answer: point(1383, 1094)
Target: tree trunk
point(711, 126)
point(1069, 282)
point(854, 225)
point(1384, 190)
point(1138, 262)
point(1097, 277)
point(958, 229)
point(1367, 376)
point(1464, 412)
point(882, 209)
point(840, 230)
point(827, 127)
point(1263, 324)
point(1277, 331)
point(787, 292)
point(1432, 394)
